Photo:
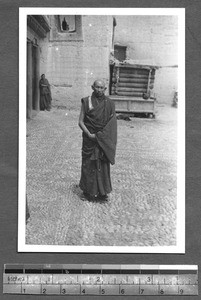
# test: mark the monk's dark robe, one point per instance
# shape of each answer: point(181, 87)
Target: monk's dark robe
point(97, 155)
point(45, 94)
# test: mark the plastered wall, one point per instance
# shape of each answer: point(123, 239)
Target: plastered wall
point(73, 65)
point(152, 40)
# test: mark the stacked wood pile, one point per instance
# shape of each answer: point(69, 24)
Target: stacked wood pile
point(132, 81)
point(132, 88)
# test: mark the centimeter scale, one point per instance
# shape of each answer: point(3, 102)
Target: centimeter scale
point(92, 279)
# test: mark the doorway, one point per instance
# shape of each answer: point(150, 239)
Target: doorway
point(34, 78)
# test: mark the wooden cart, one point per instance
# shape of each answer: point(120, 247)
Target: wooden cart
point(132, 88)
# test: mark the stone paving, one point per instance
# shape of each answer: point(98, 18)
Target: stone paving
point(141, 210)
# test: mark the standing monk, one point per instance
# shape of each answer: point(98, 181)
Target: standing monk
point(98, 123)
point(45, 94)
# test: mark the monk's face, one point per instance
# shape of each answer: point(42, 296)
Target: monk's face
point(99, 88)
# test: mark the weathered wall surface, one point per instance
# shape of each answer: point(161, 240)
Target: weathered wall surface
point(73, 65)
point(43, 46)
point(152, 40)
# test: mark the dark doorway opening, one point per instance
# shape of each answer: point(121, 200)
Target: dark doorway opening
point(34, 78)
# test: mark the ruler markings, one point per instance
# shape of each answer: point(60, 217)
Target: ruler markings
point(63, 279)
point(100, 279)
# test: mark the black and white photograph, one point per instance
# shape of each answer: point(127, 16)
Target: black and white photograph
point(101, 130)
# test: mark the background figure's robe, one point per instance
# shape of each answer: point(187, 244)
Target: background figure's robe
point(97, 155)
point(45, 94)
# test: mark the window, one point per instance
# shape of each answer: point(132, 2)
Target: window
point(120, 52)
point(67, 23)
point(66, 28)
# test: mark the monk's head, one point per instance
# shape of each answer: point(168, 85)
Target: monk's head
point(99, 87)
point(43, 76)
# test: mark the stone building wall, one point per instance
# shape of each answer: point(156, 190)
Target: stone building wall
point(43, 43)
point(74, 62)
point(71, 63)
point(152, 40)
point(37, 36)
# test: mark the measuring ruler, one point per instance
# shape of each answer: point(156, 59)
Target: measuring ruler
point(92, 279)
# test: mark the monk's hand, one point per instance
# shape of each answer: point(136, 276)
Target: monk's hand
point(92, 136)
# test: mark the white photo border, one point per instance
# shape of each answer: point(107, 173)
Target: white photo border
point(23, 13)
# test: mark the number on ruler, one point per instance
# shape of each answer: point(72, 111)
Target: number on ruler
point(98, 279)
point(141, 291)
point(83, 291)
point(102, 291)
point(181, 291)
point(63, 291)
point(162, 291)
point(122, 291)
point(148, 279)
point(44, 291)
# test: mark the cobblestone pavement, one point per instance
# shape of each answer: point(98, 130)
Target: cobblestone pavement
point(141, 210)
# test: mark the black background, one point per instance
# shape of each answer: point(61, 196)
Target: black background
point(9, 91)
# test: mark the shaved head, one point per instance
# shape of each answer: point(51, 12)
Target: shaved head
point(99, 82)
point(99, 87)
